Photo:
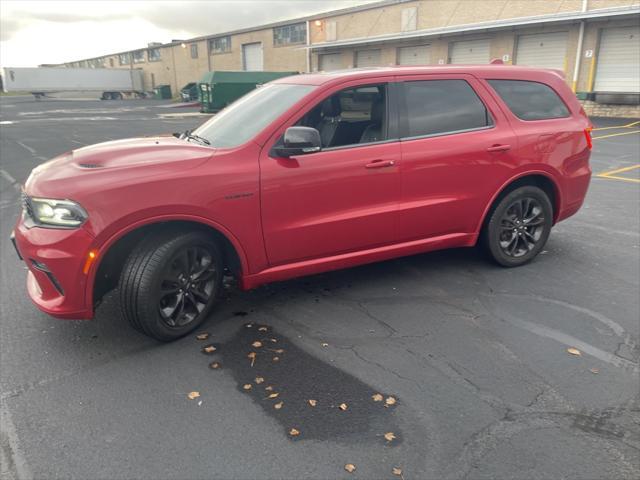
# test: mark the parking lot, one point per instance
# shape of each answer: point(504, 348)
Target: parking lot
point(475, 356)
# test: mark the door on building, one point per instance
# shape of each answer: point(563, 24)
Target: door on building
point(330, 61)
point(545, 50)
point(417, 55)
point(470, 52)
point(252, 57)
point(344, 197)
point(368, 58)
point(619, 60)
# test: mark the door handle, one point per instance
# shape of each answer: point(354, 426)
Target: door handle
point(499, 148)
point(380, 164)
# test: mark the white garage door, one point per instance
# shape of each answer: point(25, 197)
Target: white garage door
point(368, 58)
point(546, 50)
point(470, 52)
point(414, 55)
point(330, 61)
point(619, 60)
point(252, 57)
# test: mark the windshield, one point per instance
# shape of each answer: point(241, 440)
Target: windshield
point(244, 118)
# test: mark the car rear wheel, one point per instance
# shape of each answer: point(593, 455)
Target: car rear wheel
point(519, 226)
point(170, 283)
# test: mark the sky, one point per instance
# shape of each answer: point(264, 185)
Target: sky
point(51, 31)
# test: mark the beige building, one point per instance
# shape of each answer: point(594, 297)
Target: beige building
point(596, 43)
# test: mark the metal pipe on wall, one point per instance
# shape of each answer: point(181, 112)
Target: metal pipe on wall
point(576, 69)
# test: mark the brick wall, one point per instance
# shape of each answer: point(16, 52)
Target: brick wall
point(594, 109)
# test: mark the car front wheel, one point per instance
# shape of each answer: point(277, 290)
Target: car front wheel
point(519, 226)
point(170, 283)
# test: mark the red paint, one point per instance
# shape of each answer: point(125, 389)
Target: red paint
point(312, 213)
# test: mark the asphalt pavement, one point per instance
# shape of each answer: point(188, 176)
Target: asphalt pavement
point(466, 364)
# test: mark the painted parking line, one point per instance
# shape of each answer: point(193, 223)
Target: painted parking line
point(616, 134)
point(628, 125)
point(613, 174)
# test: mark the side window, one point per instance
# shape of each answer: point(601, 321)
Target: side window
point(530, 100)
point(442, 106)
point(350, 117)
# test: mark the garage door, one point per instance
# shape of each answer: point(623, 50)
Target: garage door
point(619, 60)
point(330, 61)
point(546, 50)
point(368, 58)
point(252, 57)
point(470, 52)
point(414, 55)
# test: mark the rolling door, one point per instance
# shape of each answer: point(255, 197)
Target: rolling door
point(618, 60)
point(420, 55)
point(368, 58)
point(330, 61)
point(252, 57)
point(470, 52)
point(545, 50)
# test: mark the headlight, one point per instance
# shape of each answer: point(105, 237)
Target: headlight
point(58, 213)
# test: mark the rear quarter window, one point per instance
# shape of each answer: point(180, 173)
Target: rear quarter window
point(530, 100)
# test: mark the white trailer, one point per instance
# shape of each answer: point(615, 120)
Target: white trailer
point(112, 83)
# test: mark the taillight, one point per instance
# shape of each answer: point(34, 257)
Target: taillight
point(587, 135)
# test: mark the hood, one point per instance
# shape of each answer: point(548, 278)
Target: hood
point(117, 161)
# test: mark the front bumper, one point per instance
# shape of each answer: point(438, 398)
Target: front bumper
point(55, 259)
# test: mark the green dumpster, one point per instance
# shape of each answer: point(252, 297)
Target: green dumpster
point(162, 92)
point(219, 89)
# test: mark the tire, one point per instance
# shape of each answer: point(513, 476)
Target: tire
point(518, 227)
point(169, 283)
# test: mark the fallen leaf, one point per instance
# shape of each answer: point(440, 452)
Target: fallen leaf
point(202, 336)
point(273, 340)
point(193, 395)
point(276, 359)
point(278, 350)
point(209, 349)
point(247, 386)
point(350, 467)
point(397, 471)
point(278, 405)
point(252, 356)
point(200, 403)
point(248, 325)
point(389, 401)
point(273, 395)
point(594, 370)
point(574, 351)
point(389, 436)
point(268, 388)
point(256, 344)
point(263, 329)
point(214, 365)
point(326, 345)
point(294, 432)
point(377, 397)
point(259, 380)
point(313, 403)
point(343, 406)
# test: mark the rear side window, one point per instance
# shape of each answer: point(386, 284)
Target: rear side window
point(442, 106)
point(530, 100)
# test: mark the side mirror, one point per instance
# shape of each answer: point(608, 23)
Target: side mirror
point(299, 141)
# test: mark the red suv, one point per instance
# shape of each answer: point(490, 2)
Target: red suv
point(306, 174)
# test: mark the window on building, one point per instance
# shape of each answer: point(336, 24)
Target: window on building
point(530, 100)
point(138, 57)
point(220, 44)
point(289, 34)
point(409, 20)
point(123, 59)
point(153, 54)
point(194, 50)
point(330, 32)
point(442, 106)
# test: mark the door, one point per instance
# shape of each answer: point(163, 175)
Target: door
point(449, 172)
point(418, 55)
point(619, 60)
point(470, 52)
point(252, 57)
point(330, 61)
point(343, 198)
point(368, 58)
point(545, 50)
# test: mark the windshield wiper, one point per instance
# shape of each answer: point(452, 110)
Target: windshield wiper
point(190, 136)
